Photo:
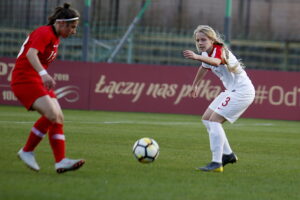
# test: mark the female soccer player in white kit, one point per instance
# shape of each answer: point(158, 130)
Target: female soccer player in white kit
point(228, 105)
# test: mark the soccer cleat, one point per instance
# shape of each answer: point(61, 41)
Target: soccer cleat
point(231, 158)
point(67, 164)
point(212, 167)
point(29, 159)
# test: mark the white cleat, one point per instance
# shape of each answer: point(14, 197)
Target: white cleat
point(29, 159)
point(67, 164)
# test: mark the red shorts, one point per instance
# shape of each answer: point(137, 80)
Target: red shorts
point(28, 93)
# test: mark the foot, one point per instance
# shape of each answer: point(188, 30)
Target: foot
point(212, 167)
point(67, 164)
point(231, 158)
point(29, 159)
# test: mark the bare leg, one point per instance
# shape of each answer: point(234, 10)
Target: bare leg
point(46, 107)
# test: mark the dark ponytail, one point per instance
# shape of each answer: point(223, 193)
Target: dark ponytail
point(64, 12)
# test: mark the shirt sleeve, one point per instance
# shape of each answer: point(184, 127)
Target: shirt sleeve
point(40, 39)
point(218, 53)
point(205, 65)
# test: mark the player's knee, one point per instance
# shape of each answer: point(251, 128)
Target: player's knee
point(52, 115)
point(60, 118)
point(204, 117)
point(217, 118)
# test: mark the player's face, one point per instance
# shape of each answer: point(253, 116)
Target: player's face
point(68, 29)
point(204, 43)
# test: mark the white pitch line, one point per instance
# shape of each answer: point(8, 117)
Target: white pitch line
point(17, 122)
point(141, 123)
point(255, 124)
point(111, 122)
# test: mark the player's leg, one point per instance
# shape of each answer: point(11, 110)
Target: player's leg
point(46, 108)
point(205, 118)
point(230, 108)
point(56, 134)
point(206, 121)
point(214, 138)
point(217, 121)
point(58, 145)
point(217, 137)
point(223, 148)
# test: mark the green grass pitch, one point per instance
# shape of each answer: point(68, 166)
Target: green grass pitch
point(268, 166)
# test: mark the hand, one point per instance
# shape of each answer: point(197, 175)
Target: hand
point(189, 54)
point(48, 81)
point(194, 92)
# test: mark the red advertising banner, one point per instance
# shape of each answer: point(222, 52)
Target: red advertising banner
point(161, 89)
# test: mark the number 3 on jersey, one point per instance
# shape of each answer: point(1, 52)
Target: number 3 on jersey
point(225, 103)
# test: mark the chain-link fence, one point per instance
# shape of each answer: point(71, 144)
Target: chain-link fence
point(165, 30)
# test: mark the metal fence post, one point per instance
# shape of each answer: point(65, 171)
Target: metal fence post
point(227, 22)
point(128, 32)
point(130, 49)
point(86, 30)
point(286, 46)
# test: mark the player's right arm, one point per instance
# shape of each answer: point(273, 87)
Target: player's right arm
point(198, 78)
point(32, 56)
point(209, 60)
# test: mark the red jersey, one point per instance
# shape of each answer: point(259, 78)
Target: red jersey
point(45, 40)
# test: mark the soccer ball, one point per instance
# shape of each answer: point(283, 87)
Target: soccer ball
point(145, 150)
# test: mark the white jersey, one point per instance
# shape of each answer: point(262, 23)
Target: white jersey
point(233, 81)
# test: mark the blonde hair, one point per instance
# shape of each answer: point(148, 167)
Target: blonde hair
point(217, 39)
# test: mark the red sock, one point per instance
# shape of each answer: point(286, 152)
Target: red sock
point(57, 141)
point(38, 131)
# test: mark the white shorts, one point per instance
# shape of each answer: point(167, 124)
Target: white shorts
point(231, 105)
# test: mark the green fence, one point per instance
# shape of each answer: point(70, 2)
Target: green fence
point(158, 46)
point(147, 44)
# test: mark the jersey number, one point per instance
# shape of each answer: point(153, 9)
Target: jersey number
point(226, 101)
point(22, 48)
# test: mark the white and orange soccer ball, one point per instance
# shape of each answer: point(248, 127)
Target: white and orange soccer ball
point(145, 150)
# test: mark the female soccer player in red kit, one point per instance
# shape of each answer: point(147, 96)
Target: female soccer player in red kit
point(33, 86)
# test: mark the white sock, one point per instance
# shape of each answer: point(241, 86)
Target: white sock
point(206, 124)
point(226, 148)
point(217, 140)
